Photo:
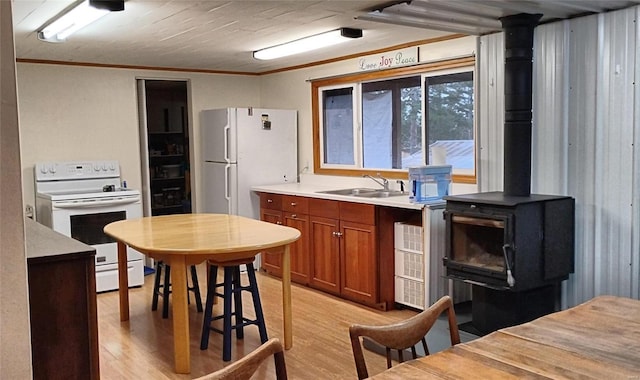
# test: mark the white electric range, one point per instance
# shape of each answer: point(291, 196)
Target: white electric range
point(77, 199)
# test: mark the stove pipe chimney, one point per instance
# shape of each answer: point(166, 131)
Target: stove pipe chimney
point(518, 72)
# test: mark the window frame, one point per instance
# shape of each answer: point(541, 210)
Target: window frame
point(350, 79)
point(357, 161)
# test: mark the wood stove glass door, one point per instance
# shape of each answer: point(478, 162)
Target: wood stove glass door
point(477, 246)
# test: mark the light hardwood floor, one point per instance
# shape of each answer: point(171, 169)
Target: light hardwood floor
point(142, 348)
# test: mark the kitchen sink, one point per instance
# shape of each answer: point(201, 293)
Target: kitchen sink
point(381, 194)
point(364, 192)
point(353, 191)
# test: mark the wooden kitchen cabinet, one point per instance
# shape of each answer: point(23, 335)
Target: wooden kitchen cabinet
point(295, 214)
point(271, 211)
point(324, 226)
point(338, 250)
point(291, 211)
point(344, 254)
point(62, 304)
point(358, 253)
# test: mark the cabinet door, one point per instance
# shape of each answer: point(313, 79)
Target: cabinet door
point(64, 324)
point(358, 259)
point(300, 248)
point(272, 258)
point(325, 254)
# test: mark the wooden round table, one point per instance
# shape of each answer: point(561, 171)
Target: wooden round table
point(182, 240)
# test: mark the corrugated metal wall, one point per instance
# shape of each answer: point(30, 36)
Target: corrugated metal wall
point(585, 129)
point(490, 111)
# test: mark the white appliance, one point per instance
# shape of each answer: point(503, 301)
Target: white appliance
point(78, 199)
point(244, 147)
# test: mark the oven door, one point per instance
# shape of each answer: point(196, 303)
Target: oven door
point(84, 220)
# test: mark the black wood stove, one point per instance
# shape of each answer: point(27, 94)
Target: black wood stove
point(514, 250)
point(514, 247)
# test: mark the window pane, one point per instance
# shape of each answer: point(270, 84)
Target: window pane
point(338, 126)
point(377, 121)
point(450, 119)
point(411, 128)
point(391, 123)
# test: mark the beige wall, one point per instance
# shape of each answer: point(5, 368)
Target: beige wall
point(15, 345)
point(86, 113)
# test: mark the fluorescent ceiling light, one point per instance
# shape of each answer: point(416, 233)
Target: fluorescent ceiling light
point(308, 43)
point(77, 18)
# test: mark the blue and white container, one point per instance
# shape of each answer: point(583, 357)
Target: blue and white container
point(429, 183)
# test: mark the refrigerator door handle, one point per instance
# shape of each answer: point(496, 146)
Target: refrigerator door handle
point(227, 186)
point(226, 142)
point(227, 191)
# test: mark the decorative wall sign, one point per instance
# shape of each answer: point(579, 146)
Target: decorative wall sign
point(389, 59)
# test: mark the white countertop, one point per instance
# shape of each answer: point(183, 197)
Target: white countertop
point(308, 190)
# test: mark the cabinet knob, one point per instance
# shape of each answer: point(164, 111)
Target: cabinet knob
point(293, 203)
point(294, 216)
point(269, 200)
point(337, 234)
point(279, 222)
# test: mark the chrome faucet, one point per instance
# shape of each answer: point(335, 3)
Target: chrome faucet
point(381, 181)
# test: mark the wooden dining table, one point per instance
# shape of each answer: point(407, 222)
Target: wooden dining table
point(599, 339)
point(182, 240)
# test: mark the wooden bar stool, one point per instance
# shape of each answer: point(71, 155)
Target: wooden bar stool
point(232, 293)
point(164, 289)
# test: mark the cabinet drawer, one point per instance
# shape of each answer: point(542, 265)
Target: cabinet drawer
point(295, 204)
point(358, 212)
point(271, 201)
point(324, 208)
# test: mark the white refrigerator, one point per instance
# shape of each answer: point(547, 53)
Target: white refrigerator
point(243, 147)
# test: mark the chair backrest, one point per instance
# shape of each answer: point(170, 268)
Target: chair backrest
point(403, 335)
point(244, 368)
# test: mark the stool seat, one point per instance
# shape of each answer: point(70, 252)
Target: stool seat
point(164, 289)
point(232, 293)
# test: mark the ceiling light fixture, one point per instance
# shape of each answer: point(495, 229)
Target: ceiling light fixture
point(76, 18)
point(308, 43)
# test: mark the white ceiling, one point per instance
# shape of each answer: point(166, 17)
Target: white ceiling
point(221, 35)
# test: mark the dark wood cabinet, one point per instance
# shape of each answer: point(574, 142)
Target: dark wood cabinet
point(62, 302)
point(271, 211)
point(344, 253)
point(325, 254)
point(295, 214)
point(359, 262)
point(290, 211)
point(338, 251)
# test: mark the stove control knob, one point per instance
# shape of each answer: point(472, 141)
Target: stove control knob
point(96, 167)
point(112, 166)
point(43, 169)
point(52, 169)
point(104, 167)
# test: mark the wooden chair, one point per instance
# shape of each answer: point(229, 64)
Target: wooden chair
point(244, 368)
point(403, 335)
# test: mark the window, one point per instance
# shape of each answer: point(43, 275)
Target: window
point(337, 126)
point(387, 121)
point(392, 123)
point(449, 121)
